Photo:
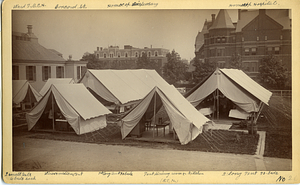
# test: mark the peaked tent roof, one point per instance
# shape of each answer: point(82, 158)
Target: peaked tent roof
point(51, 81)
point(235, 85)
point(21, 88)
point(186, 120)
point(80, 108)
point(223, 20)
point(122, 86)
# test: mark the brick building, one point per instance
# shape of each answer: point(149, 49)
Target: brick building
point(114, 57)
point(35, 63)
point(256, 34)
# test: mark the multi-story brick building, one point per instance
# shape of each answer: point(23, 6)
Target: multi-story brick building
point(255, 35)
point(127, 58)
point(35, 63)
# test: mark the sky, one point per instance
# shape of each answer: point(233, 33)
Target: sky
point(75, 32)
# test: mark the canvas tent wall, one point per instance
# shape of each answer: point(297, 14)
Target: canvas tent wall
point(236, 86)
point(24, 92)
point(122, 87)
point(185, 119)
point(80, 109)
point(51, 81)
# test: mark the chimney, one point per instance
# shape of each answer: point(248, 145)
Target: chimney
point(29, 27)
point(239, 14)
point(213, 17)
point(70, 57)
point(101, 49)
point(262, 11)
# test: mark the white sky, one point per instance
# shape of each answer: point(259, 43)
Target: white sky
point(76, 32)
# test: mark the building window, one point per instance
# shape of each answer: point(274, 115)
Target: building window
point(250, 66)
point(136, 54)
point(142, 53)
point(246, 51)
point(212, 40)
point(111, 55)
point(223, 39)
point(60, 72)
point(281, 37)
point(15, 72)
point(266, 37)
point(233, 39)
point(126, 55)
point(156, 53)
point(97, 55)
point(220, 52)
point(104, 55)
point(253, 51)
point(119, 55)
point(80, 71)
point(30, 73)
point(276, 50)
point(257, 38)
point(149, 54)
point(46, 72)
point(243, 39)
point(218, 40)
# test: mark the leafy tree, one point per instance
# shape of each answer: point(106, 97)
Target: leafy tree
point(272, 72)
point(174, 70)
point(144, 62)
point(93, 63)
point(202, 69)
point(236, 61)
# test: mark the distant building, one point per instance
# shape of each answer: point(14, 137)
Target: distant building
point(33, 62)
point(255, 35)
point(114, 56)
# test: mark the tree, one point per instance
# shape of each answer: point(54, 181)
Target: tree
point(236, 62)
point(174, 70)
point(144, 62)
point(272, 72)
point(93, 63)
point(202, 69)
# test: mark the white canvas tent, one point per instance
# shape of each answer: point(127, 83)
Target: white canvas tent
point(78, 107)
point(185, 119)
point(122, 87)
point(234, 84)
point(51, 81)
point(23, 91)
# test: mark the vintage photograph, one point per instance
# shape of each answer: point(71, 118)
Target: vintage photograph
point(152, 90)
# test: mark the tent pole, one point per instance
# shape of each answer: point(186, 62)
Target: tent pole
point(53, 119)
point(218, 105)
point(260, 109)
point(154, 111)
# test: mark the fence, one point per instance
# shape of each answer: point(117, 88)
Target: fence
point(282, 92)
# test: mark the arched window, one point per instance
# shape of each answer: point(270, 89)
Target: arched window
point(156, 53)
point(136, 54)
point(104, 55)
point(126, 55)
point(149, 53)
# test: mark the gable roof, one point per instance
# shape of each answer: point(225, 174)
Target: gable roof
point(186, 120)
point(223, 20)
point(122, 86)
point(28, 50)
point(81, 100)
point(235, 85)
point(51, 81)
point(21, 89)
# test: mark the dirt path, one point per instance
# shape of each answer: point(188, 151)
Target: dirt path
point(48, 155)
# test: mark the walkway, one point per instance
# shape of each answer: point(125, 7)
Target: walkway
point(48, 155)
